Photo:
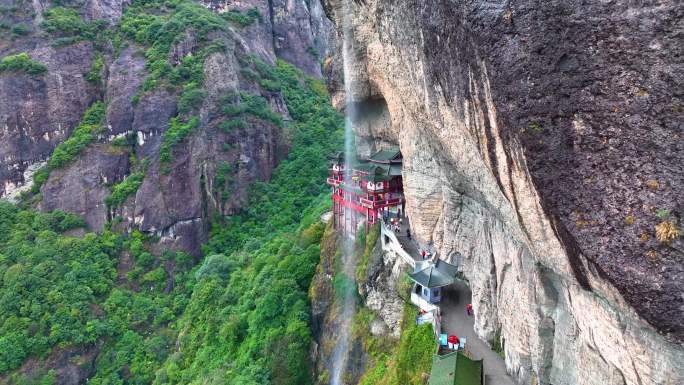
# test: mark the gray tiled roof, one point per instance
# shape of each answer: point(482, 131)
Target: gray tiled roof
point(436, 274)
point(386, 155)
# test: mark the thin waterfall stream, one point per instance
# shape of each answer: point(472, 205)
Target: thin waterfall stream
point(341, 351)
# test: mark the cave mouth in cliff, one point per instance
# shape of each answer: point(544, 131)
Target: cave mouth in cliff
point(370, 115)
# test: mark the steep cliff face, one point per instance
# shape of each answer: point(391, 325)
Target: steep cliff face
point(377, 323)
point(542, 143)
point(90, 56)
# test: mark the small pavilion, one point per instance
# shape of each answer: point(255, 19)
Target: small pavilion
point(430, 277)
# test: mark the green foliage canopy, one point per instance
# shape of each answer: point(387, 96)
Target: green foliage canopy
point(49, 282)
point(21, 62)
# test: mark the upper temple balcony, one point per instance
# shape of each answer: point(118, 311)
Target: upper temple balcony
point(377, 204)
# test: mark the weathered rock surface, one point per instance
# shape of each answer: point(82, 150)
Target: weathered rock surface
point(293, 30)
point(82, 187)
point(125, 76)
point(72, 365)
point(380, 290)
point(38, 112)
point(532, 134)
point(176, 201)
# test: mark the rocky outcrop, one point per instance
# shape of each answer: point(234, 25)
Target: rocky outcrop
point(301, 33)
point(296, 31)
point(177, 199)
point(380, 290)
point(71, 366)
point(82, 187)
point(539, 140)
point(38, 112)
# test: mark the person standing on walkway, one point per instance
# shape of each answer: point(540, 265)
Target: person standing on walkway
point(469, 309)
point(408, 233)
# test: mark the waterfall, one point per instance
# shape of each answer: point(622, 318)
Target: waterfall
point(341, 351)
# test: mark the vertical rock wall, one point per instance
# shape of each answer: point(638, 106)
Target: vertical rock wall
point(526, 143)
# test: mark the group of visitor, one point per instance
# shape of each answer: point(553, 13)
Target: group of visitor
point(425, 254)
point(395, 225)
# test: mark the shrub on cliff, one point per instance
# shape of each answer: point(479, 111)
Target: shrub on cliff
point(95, 74)
point(63, 21)
point(67, 25)
point(83, 135)
point(242, 19)
point(177, 132)
point(127, 187)
point(159, 25)
point(21, 62)
point(65, 152)
point(190, 99)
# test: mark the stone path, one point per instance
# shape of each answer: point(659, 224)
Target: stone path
point(456, 321)
point(410, 245)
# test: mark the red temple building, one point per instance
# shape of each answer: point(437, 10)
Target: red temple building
point(371, 190)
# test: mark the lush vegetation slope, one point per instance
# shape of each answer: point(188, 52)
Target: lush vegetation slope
point(405, 363)
point(238, 317)
point(248, 321)
point(59, 291)
point(48, 283)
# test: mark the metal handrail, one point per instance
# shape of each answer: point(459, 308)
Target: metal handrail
point(394, 244)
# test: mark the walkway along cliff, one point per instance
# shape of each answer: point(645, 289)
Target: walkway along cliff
point(369, 193)
point(541, 157)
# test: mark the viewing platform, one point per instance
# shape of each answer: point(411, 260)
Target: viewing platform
point(373, 204)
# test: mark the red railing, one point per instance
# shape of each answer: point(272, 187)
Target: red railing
point(377, 204)
point(349, 204)
point(333, 181)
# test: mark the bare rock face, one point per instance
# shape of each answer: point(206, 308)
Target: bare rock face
point(125, 76)
point(293, 34)
point(539, 142)
point(82, 187)
point(110, 10)
point(380, 291)
point(38, 112)
point(296, 31)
